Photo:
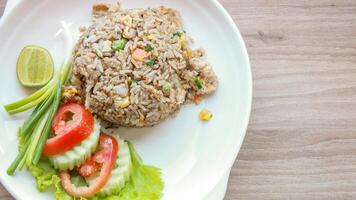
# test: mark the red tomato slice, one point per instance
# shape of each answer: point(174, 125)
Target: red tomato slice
point(71, 125)
point(89, 168)
point(108, 147)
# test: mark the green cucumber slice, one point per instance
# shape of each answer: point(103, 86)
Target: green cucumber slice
point(78, 154)
point(120, 174)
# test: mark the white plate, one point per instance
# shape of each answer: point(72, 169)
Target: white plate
point(194, 156)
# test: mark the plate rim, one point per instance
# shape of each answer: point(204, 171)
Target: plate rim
point(237, 32)
point(249, 83)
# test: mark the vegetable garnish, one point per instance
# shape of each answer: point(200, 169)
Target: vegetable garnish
point(198, 83)
point(139, 54)
point(89, 168)
point(42, 94)
point(71, 125)
point(148, 48)
point(151, 62)
point(118, 45)
point(78, 154)
point(131, 81)
point(36, 129)
point(177, 34)
point(197, 99)
point(145, 181)
point(34, 66)
point(167, 87)
point(106, 157)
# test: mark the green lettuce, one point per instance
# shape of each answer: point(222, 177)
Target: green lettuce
point(145, 182)
point(47, 177)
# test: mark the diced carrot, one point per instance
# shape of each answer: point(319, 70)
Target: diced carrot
point(197, 99)
point(139, 54)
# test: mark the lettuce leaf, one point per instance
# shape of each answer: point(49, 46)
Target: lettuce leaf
point(145, 182)
point(47, 177)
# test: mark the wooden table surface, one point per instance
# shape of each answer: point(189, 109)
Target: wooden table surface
point(301, 141)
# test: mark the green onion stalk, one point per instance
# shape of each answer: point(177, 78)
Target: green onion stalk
point(36, 129)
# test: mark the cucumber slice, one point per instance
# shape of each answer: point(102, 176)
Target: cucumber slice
point(120, 174)
point(78, 154)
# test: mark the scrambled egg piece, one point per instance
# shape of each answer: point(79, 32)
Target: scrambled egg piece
point(205, 115)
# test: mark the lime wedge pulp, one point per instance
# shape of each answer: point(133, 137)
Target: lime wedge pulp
point(34, 66)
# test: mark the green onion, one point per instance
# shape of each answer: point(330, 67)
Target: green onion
point(28, 99)
point(148, 48)
point(19, 158)
point(47, 128)
point(36, 135)
point(151, 62)
point(179, 34)
point(36, 129)
point(167, 87)
point(118, 45)
point(198, 83)
point(33, 103)
point(35, 116)
point(131, 81)
point(66, 70)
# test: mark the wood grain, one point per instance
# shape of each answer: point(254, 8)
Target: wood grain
point(2, 6)
point(301, 141)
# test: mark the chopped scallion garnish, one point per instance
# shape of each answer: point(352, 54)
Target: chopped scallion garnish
point(148, 48)
point(167, 87)
point(131, 81)
point(118, 45)
point(151, 62)
point(198, 83)
point(177, 34)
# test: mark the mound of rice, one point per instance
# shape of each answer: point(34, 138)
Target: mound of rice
point(130, 92)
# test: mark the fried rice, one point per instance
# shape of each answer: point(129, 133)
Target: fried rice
point(137, 91)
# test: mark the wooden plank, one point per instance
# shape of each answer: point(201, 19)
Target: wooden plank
point(301, 138)
point(4, 195)
point(2, 6)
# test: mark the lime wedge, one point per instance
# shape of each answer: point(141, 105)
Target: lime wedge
point(34, 66)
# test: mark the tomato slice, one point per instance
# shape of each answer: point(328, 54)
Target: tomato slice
point(89, 168)
point(108, 149)
point(71, 125)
